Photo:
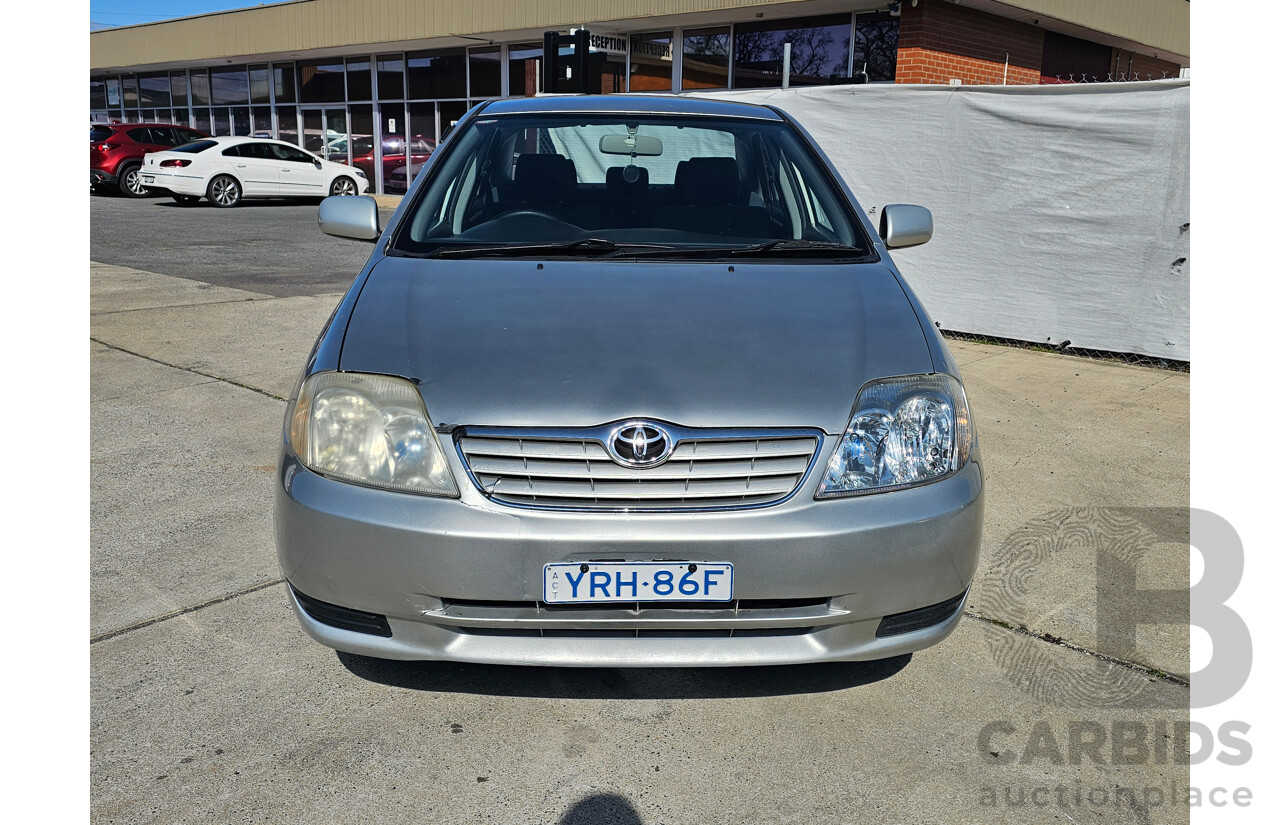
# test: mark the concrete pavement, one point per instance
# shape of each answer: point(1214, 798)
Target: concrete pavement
point(210, 705)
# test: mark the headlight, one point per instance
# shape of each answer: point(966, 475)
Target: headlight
point(903, 431)
point(360, 173)
point(370, 429)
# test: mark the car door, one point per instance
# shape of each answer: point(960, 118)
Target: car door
point(299, 176)
point(257, 168)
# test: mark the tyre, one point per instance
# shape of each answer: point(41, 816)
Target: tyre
point(224, 191)
point(131, 181)
point(343, 186)
point(187, 200)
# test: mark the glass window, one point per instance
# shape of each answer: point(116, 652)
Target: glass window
point(287, 124)
point(390, 77)
point(199, 87)
point(282, 79)
point(231, 152)
point(486, 71)
point(359, 84)
point(142, 135)
point(819, 49)
point(202, 122)
point(322, 81)
point(97, 134)
point(178, 86)
point(97, 94)
point(524, 61)
point(361, 139)
point(651, 62)
point(229, 85)
point(714, 186)
point(196, 147)
point(290, 154)
point(154, 90)
point(113, 92)
point(240, 120)
point(875, 50)
point(186, 136)
point(131, 92)
point(259, 84)
point(437, 74)
point(706, 59)
point(261, 121)
point(221, 121)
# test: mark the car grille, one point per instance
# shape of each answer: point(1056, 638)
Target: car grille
point(703, 472)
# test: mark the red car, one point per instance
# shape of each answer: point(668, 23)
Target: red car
point(116, 150)
point(393, 157)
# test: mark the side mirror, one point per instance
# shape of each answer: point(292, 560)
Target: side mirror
point(317, 164)
point(903, 225)
point(348, 217)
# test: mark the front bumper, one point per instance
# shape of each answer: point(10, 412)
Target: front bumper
point(460, 579)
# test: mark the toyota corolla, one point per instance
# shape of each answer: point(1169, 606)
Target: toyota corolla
point(629, 381)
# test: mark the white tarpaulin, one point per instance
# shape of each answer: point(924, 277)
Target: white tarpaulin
point(1061, 213)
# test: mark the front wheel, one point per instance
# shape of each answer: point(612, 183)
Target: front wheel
point(343, 186)
point(131, 181)
point(224, 191)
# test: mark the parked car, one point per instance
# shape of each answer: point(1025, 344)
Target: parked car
point(393, 157)
point(629, 381)
point(229, 169)
point(116, 151)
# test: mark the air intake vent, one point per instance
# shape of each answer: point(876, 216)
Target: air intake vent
point(343, 618)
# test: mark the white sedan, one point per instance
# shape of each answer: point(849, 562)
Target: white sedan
point(228, 169)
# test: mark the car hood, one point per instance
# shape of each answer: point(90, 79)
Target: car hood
point(585, 342)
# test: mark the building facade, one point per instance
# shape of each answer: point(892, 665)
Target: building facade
point(376, 83)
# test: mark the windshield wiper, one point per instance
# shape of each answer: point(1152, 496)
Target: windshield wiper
point(799, 246)
point(779, 247)
point(586, 246)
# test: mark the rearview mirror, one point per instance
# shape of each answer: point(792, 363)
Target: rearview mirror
point(631, 145)
point(348, 217)
point(903, 225)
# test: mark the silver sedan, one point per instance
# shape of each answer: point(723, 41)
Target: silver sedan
point(629, 381)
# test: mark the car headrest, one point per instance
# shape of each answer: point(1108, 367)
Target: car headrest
point(708, 181)
point(545, 177)
point(615, 178)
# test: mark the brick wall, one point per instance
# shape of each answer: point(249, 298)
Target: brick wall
point(939, 41)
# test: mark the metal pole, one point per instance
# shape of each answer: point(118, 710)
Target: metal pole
point(786, 65)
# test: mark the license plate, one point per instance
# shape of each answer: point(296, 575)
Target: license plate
point(637, 581)
point(148, 179)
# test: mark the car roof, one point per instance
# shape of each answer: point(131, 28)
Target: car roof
point(627, 104)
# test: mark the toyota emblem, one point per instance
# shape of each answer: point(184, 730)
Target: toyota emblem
point(639, 444)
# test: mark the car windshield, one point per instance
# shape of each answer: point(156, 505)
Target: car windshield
point(630, 184)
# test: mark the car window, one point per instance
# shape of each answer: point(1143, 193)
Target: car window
point(97, 134)
point(141, 134)
point(232, 152)
point(282, 151)
point(188, 136)
point(163, 136)
point(197, 147)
